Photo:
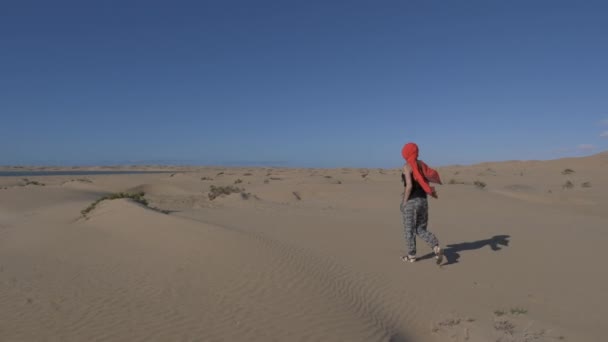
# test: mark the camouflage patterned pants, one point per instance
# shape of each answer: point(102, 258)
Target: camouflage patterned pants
point(415, 219)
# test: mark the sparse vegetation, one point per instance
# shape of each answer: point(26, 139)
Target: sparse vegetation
point(276, 178)
point(245, 195)
point(216, 191)
point(505, 327)
point(297, 195)
point(238, 181)
point(266, 181)
point(206, 178)
point(568, 185)
point(518, 311)
point(499, 313)
point(451, 322)
point(247, 174)
point(328, 177)
point(479, 184)
point(364, 175)
point(455, 181)
point(586, 185)
point(567, 172)
point(220, 173)
point(135, 197)
point(27, 182)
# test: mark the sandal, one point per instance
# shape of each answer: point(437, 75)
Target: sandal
point(408, 258)
point(438, 254)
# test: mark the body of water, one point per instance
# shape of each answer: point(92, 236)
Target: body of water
point(73, 173)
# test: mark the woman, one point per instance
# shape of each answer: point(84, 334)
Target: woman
point(416, 176)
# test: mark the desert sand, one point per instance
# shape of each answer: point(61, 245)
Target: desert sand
point(305, 255)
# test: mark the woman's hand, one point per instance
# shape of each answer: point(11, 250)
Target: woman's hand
point(434, 194)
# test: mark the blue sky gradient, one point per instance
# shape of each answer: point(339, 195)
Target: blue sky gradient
point(301, 83)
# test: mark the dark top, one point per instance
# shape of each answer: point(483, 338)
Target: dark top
point(417, 190)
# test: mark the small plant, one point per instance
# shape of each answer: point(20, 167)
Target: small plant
point(247, 174)
point(266, 181)
point(216, 191)
point(220, 173)
point(136, 197)
point(245, 195)
point(479, 184)
point(276, 178)
point(328, 177)
point(568, 185)
point(567, 172)
point(455, 181)
point(586, 185)
point(364, 175)
point(518, 311)
point(206, 178)
point(499, 313)
point(297, 195)
point(238, 181)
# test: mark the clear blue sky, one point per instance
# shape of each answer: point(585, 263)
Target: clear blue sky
point(301, 83)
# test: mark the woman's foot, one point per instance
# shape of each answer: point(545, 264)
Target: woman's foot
point(408, 258)
point(438, 254)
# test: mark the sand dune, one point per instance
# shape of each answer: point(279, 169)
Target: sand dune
point(305, 255)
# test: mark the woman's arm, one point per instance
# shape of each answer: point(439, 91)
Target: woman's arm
point(408, 182)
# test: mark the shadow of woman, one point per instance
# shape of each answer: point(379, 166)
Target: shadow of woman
point(452, 252)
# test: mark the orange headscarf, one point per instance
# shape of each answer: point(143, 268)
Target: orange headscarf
point(423, 174)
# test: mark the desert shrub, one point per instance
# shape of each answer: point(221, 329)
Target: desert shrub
point(297, 195)
point(31, 182)
point(586, 185)
point(518, 311)
point(479, 184)
point(568, 185)
point(499, 313)
point(216, 191)
point(567, 172)
point(136, 197)
point(505, 327)
point(238, 181)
